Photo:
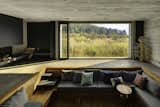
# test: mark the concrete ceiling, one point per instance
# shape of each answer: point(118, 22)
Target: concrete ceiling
point(81, 10)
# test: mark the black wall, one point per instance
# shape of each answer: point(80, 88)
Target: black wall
point(41, 36)
point(139, 29)
point(11, 31)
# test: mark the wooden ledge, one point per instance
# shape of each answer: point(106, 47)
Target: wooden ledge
point(43, 96)
point(103, 68)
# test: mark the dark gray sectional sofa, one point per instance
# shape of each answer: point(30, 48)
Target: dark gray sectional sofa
point(150, 96)
point(140, 97)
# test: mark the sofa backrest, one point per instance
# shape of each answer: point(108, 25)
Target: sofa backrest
point(153, 86)
point(98, 74)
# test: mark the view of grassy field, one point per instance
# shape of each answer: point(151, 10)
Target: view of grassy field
point(83, 46)
point(92, 41)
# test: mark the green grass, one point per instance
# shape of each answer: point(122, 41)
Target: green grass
point(87, 45)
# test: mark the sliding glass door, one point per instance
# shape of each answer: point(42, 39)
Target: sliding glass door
point(64, 41)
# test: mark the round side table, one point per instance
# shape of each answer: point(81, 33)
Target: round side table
point(124, 90)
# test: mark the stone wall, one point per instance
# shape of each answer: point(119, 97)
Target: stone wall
point(152, 34)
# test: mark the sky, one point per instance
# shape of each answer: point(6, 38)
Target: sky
point(115, 26)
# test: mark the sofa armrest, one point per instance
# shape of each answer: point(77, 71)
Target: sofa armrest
point(149, 100)
point(33, 104)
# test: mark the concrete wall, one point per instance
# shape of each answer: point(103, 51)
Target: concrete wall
point(20, 48)
point(152, 34)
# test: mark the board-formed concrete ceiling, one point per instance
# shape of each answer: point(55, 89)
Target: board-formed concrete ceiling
point(81, 10)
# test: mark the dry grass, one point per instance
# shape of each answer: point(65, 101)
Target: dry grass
point(92, 46)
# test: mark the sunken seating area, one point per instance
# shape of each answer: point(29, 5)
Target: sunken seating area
point(100, 93)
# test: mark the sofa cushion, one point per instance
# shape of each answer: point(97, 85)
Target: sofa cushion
point(129, 76)
point(108, 74)
point(148, 99)
point(77, 76)
point(87, 78)
point(70, 85)
point(67, 75)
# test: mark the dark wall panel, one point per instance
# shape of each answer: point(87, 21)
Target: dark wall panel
point(39, 35)
point(11, 31)
point(52, 40)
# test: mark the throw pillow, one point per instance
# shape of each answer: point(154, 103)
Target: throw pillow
point(67, 75)
point(129, 76)
point(77, 76)
point(110, 74)
point(115, 81)
point(140, 81)
point(87, 78)
point(96, 74)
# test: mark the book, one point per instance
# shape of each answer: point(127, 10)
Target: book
point(46, 83)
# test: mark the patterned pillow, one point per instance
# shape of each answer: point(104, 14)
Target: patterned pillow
point(140, 81)
point(87, 78)
point(115, 81)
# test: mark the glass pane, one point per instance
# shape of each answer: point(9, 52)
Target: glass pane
point(63, 41)
point(99, 39)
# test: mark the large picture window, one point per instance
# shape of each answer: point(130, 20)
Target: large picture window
point(99, 39)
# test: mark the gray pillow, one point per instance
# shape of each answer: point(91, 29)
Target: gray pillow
point(96, 74)
point(87, 78)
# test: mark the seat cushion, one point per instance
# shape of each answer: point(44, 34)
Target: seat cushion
point(65, 85)
point(148, 99)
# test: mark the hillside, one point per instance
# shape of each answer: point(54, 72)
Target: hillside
point(92, 29)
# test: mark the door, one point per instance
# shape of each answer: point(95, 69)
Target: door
point(63, 41)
